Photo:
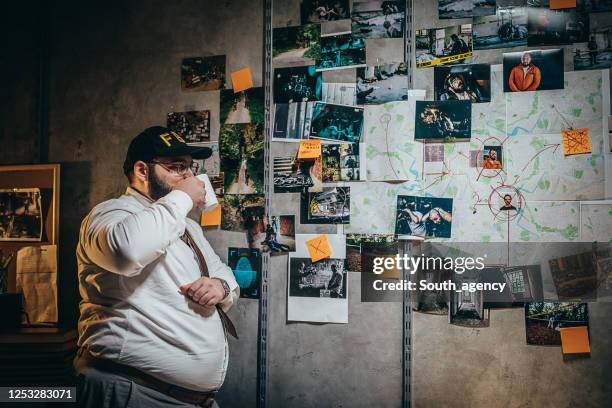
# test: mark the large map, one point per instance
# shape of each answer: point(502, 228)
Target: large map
point(546, 187)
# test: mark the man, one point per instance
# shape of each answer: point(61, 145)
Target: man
point(457, 45)
point(152, 325)
point(593, 51)
point(491, 162)
point(525, 76)
point(507, 204)
point(437, 124)
point(335, 283)
point(455, 87)
point(428, 225)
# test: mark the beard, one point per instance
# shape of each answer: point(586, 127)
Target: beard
point(157, 187)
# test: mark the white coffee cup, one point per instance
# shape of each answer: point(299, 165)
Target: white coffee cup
point(211, 198)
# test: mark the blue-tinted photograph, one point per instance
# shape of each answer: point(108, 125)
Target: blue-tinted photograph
point(341, 51)
point(336, 122)
point(297, 84)
point(246, 265)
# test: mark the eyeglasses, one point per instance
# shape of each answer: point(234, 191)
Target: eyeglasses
point(179, 168)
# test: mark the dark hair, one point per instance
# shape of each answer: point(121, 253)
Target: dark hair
point(507, 195)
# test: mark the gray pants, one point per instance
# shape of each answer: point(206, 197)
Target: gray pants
point(100, 389)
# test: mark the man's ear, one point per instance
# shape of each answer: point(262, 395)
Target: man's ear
point(141, 171)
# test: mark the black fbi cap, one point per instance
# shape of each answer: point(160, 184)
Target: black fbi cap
point(158, 141)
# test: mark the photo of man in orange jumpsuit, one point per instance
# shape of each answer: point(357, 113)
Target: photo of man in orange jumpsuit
point(525, 76)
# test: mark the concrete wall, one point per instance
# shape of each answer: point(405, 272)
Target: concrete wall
point(114, 70)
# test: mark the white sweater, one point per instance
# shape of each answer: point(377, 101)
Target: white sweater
point(131, 263)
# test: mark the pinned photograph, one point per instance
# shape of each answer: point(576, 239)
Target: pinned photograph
point(341, 51)
point(467, 308)
point(596, 53)
point(323, 279)
point(358, 244)
point(194, 126)
point(293, 46)
point(331, 206)
point(296, 176)
point(424, 216)
point(433, 153)
point(378, 18)
point(21, 215)
point(277, 235)
point(471, 82)
point(432, 301)
point(507, 28)
point(523, 284)
point(575, 276)
point(292, 121)
point(340, 162)
point(556, 27)
point(246, 265)
point(543, 321)
point(297, 84)
point(239, 212)
point(449, 119)
point(318, 11)
point(536, 70)
point(340, 93)
point(242, 107)
point(443, 46)
point(336, 122)
point(491, 158)
point(382, 83)
point(242, 158)
point(212, 165)
point(203, 73)
point(507, 203)
point(448, 9)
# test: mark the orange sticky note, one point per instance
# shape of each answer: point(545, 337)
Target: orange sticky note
point(318, 248)
point(242, 79)
point(576, 141)
point(562, 4)
point(575, 340)
point(211, 218)
point(309, 149)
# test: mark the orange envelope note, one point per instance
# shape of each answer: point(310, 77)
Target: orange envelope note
point(242, 79)
point(562, 4)
point(575, 340)
point(211, 218)
point(309, 149)
point(576, 141)
point(318, 248)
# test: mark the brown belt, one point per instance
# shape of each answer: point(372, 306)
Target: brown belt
point(204, 399)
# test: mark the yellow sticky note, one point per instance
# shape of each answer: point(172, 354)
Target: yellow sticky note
point(309, 149)
point(242, 79)
point(211, 218)
point(562, 4)
point(575, 340)
point(576, 141)
point(318, 248)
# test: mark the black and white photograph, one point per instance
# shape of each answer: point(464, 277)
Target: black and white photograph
point(341, 51)
point(246, 265)
point(21, 215)
point(556, 27)
point(534, 70)
point(378, 18)
point(543, 321)
point(322, 279)
point(382, 83)
point(596, 53)
point(467, 308)
point(433, 153)
point(297, 84)
point(465, 8)
point(357, 244)
point(292, 121)
point(470, 82)
point(340, 93)
point(450, 119)
point(318, 11)
point(523, 284)
point(336, 122)
point(507, 28)
point(296, 46)
point(432, 301)
point(447, 45)
point(340, 162)
point(242, 107)
point(194, 126)
point(293, 176)
point(424, 216)
point(331, 206)
point(203, 73)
